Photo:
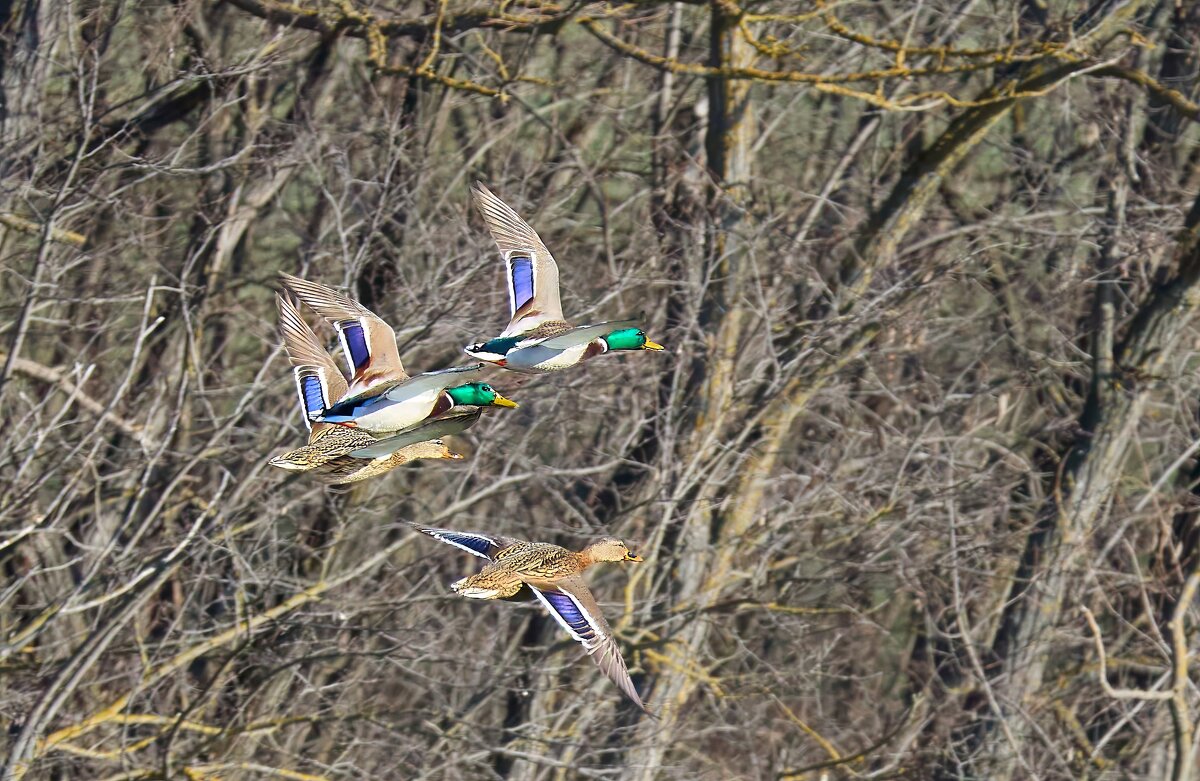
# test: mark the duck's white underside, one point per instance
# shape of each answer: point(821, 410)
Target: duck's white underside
point(390, 416)
point(479, 593)
point(473, 593)
point(537, 358)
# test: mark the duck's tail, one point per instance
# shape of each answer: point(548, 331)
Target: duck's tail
point(463, 589)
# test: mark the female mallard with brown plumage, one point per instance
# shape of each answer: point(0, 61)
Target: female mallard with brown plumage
point(553, 575)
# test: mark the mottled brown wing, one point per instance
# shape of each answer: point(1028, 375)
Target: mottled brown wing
point(575, 609)
point(326, 443)
point(540, 561)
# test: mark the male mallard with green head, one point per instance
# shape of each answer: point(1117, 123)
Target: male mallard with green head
point(339, 454)
point(336, 454)
point(538, 338)
point(381, 399)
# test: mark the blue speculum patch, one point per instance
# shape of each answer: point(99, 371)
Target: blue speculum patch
point(474, 543)
point(522, 281)
point(314, 398)
point(356, 344)
point(566, 608)
point(346, 409)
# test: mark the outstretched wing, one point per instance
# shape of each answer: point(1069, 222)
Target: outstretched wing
point(353, 405)
point(575, 609)
point(530, 269)
point(368, 342)
point(347, 469)
point(318, 380)
point(485, 546)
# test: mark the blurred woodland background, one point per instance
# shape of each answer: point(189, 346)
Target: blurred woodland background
point(917, 484)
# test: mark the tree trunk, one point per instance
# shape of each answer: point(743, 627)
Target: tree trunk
point(728, 140)
point(1090, 472)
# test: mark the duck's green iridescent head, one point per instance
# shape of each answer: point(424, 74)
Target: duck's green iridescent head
point(478, 394)
point(630, 339)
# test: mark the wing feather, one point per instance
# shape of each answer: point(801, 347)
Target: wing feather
point(449, 423)
point(586, 333)
point(531, 271)
point(319, 381)
point(485, 546)
point(573, 606)
point(368, 342)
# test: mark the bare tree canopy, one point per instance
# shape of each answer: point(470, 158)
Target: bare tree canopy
point(916, 481)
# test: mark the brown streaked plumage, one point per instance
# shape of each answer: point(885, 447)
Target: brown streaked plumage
point(327, 456)
point(550, 328)
point(554, 575)
point(324, 444)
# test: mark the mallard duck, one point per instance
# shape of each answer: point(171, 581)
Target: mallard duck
point(553, 575)
point(538, 338)
point(337, 454)
point(382, 399)
point(325, 456)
